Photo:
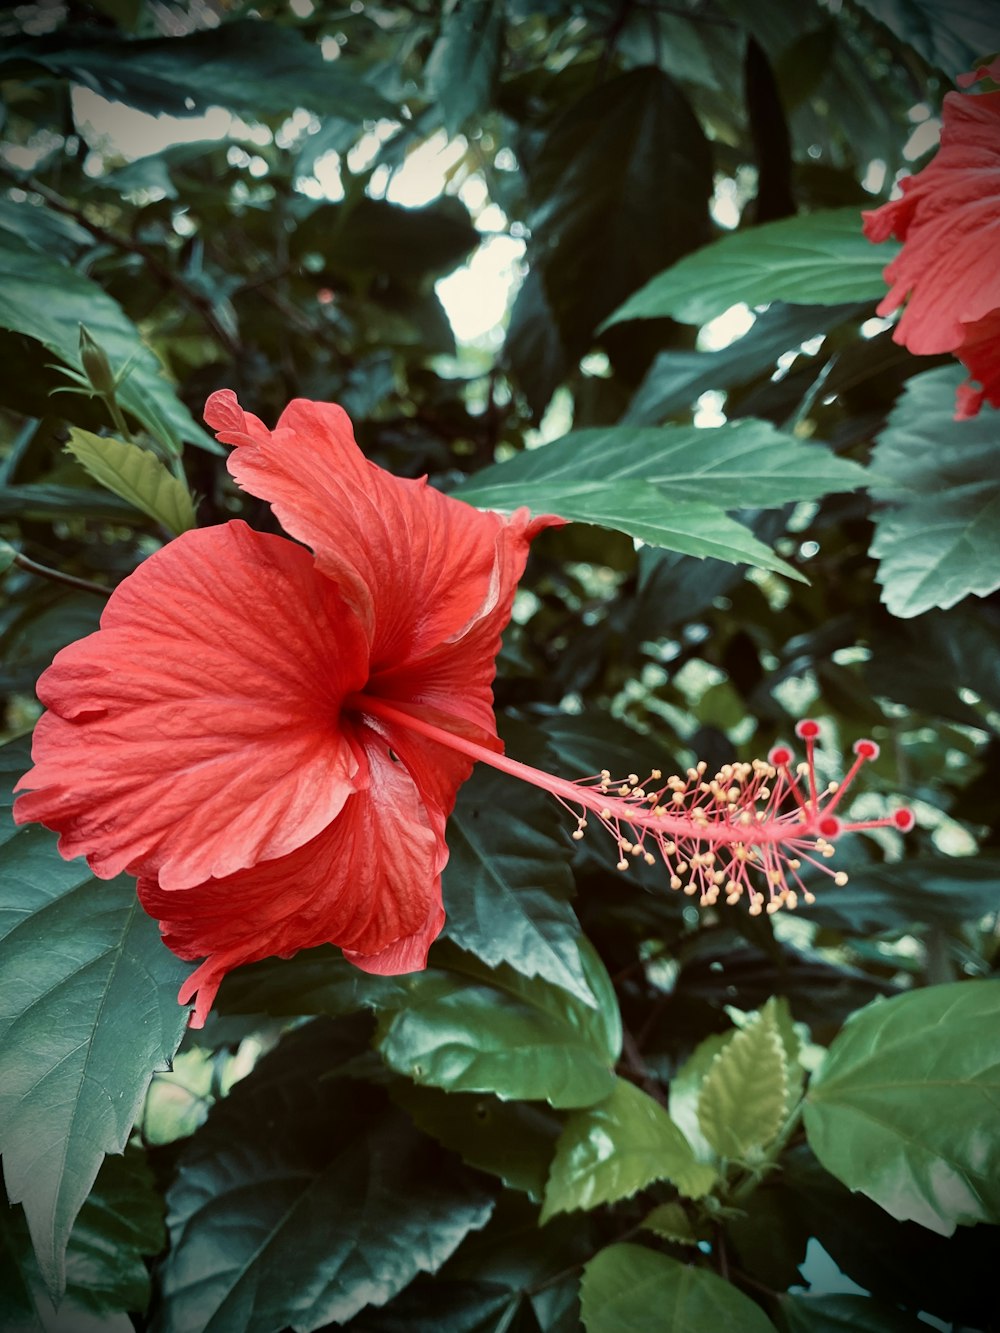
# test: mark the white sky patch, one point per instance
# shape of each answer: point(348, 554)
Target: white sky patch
point(133, 133)
point(926, 136)
point(726, 328)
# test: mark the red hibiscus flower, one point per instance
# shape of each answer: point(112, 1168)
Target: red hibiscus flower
point(214, 738)
point(948, 271)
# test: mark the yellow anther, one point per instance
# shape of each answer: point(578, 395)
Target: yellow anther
point(649, 858)
point(656, 775)
point(577, 834)
point(840, 878)
point(623, 865)
point(675, 883)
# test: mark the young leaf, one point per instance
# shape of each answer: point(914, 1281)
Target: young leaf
point(630, 1287)
point(89, 1011)
point(507, 882)
point(340, 1209)
point(743, 1097)
point(903, 1107)
point(136, 475)
point(610, 1151)
point(817, 258)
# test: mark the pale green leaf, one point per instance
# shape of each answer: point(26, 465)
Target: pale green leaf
point(610, 1151)
point(744, 1094)
point(630, 1287)
point(136, 475)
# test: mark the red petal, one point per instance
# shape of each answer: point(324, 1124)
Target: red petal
point(416, 565)
point(949, 220)
point(197, 732)
point(370, 883)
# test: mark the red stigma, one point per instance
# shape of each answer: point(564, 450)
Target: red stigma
point(780, 756)
point(829, 826)
point(807, 729)
point(866, 749)
point(904, 820)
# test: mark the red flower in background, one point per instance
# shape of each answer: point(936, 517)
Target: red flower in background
point(948, 271)
point(212, 737)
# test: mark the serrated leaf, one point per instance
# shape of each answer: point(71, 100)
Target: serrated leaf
point(512, 1140)
point(49, 301)
point(88, 1011)
point(610, 1151)
point(685, 1088)
point(507, 882)
point(903, 1107)
point(742, 463)
point(630, 1287)
point(742, 1101)
point(339, 1210)
point(940, 540)
point(479, 1029)
point(136, 475)
point(819, 258)
point(671, 1222)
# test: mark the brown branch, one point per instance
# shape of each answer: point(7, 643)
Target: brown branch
point(57, 576)
point(198, 302)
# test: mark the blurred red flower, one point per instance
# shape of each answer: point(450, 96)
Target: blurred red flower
point(948, 271)
point(212, 736)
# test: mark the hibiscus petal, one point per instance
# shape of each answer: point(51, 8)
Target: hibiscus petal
point(197, 732)
point(370, 883)
point(416, 565)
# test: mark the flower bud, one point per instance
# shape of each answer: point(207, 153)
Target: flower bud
point(96, 365)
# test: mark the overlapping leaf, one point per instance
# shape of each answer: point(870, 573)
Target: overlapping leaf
point(305, 1227)
point(49, 301)
point(940, 540)
point(507, 883)
point(611, 1150)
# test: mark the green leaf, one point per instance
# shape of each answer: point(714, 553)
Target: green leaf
point(88, 1011)
point(246, 65)
point(740, 464)
point(49, 301)
point(941, 539)
point(512, 1140)
point(676, 379)
point(339, 1209)
point(671, 1222)
point(610, 1151)
point(507, 881)
point(744, 1095)
point(839, 1313)
point(903, 1107)
point(940, 890)
point(818, 258)
point(629, 1287)
point(476, 1029)
point(315, 981)
point(685, 1088)
point(620, 188)
point(952, 37)
point(119, 1225)
point(462, 67)
point(24, 1300)
point(137, 476)
point(41, 500)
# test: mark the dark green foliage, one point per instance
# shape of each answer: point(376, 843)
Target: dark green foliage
point(599, 1107)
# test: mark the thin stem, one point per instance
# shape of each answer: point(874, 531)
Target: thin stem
point(750, 1183)
point(57, 576)
point(573, 794)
